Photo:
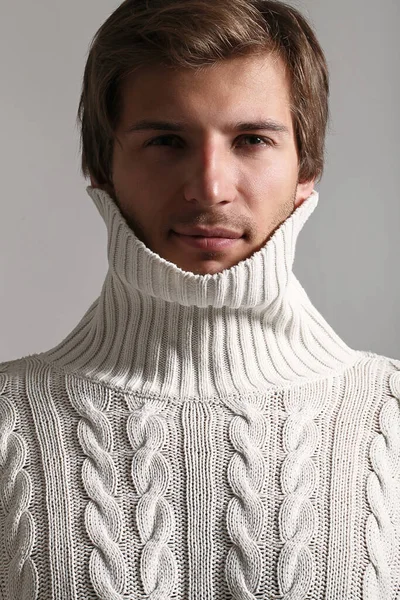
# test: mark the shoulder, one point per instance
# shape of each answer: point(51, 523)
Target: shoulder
point(385, 361)
point(14, 369)
point(386, 369)
point(14, 377)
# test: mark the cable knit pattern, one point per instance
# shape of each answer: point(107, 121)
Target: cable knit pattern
point(297, 515)
point(383, 492)
point(151, 475)
point(103, 516)
point(245, 513)
point(15, 496)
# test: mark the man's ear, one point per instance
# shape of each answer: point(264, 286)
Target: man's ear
point(304, 190)
point(104, 186)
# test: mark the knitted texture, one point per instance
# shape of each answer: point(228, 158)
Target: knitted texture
point(15, 494)
point(383, 492)
point(200, 437)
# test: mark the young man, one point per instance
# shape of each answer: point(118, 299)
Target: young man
point(202, 433)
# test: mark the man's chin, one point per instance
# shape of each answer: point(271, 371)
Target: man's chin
point(205, 263)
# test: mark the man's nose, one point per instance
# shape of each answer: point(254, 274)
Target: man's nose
point(211, 177)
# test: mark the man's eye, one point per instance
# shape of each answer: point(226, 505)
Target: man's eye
point(264, 140)
point(163, 140)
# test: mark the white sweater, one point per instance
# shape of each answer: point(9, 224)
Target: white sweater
point(200, 437)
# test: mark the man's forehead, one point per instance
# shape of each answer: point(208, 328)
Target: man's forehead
point(236, 72)
point(174, 100)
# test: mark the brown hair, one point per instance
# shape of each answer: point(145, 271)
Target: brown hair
point(193, 34)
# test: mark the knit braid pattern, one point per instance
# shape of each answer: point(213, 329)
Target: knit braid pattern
point(15, 497)
point(297, 515)
point(103, 515)
point(245, 513)
point(383, 493)
point(151, 475)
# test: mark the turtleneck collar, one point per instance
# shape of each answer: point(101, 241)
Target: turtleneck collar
point(157, 329)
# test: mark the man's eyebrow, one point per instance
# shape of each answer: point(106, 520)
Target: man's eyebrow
point(265, 125)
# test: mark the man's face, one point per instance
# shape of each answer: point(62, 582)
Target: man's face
point(208, 173)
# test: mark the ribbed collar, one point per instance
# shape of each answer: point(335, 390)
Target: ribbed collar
point(157, 329)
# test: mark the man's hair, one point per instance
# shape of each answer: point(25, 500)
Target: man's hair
point(195, 34)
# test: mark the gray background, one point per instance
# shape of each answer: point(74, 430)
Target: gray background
point(53, 241)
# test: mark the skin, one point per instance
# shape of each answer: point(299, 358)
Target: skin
point(207, 174)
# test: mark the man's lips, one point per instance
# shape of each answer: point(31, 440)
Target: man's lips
point(206, 243)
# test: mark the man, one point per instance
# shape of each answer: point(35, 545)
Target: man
point(202, 433)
